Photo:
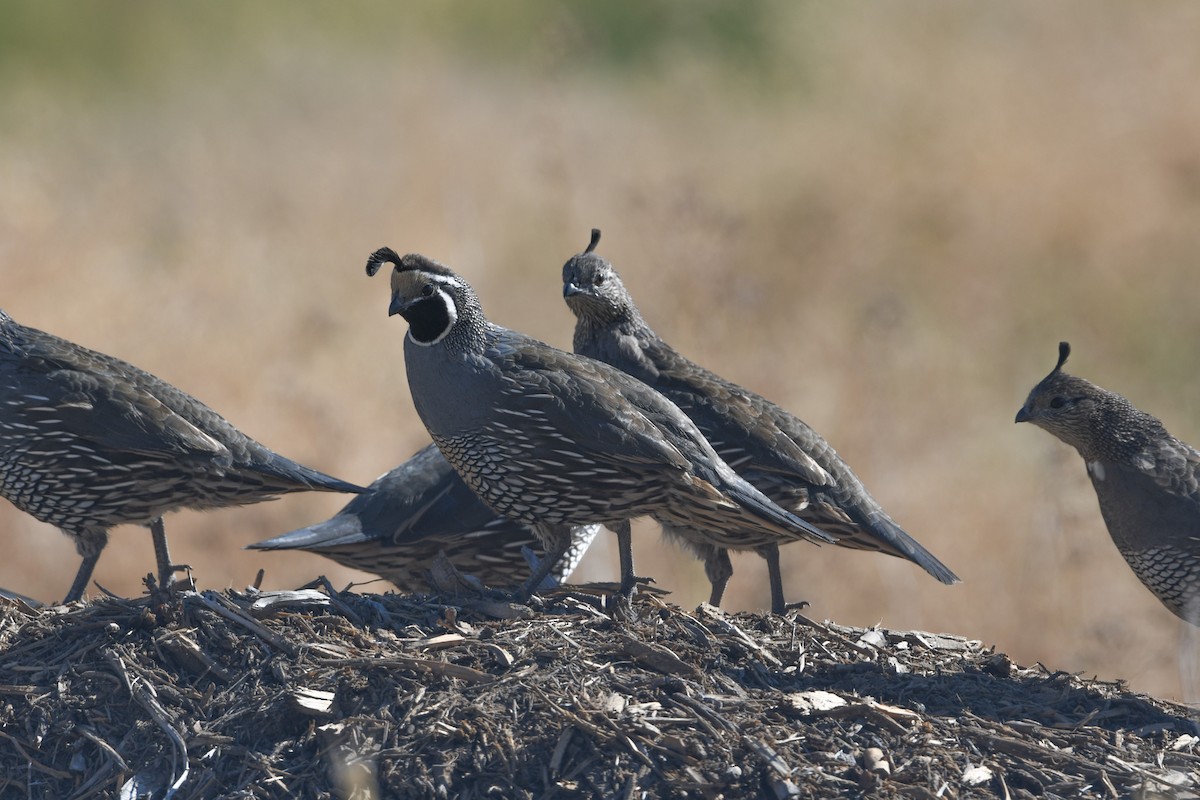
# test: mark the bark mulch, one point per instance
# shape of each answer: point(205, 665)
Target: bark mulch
point(325, 694)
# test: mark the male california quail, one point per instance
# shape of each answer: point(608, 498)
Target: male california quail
point(555, 440)
point(88, 442)
point(397, 528)
point(778, 453)
point(1147, 481)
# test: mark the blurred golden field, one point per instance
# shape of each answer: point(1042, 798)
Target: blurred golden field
point(882, 217)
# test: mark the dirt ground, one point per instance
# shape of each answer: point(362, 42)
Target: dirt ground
point(324, 694)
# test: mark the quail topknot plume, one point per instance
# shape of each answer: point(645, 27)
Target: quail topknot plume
point(88, 442)
point(775, 451)
point(422, 509)
point(1147, 481)
point(555, 440)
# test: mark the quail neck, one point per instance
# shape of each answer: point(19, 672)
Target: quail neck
point(1147, 481)
point(608, 325)
point(458, 376)
point(773, 450)
point(459, 373)
point(505, 407)
point(446, 346)
point(438, 305)
point(609, 328)
point(1125, 449)
point(1102, 425)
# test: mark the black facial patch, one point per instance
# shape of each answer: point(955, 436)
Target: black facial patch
point(428, 318)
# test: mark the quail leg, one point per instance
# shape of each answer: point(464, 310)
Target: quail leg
point(89, 543)
point(622, 605)
point(166, 570)
point(719, 570)
point(82, 577)
point(535, 562)
point(555, 540)
point(778, 604)
point(629, 579)
point(771, 554)
point(445, 578)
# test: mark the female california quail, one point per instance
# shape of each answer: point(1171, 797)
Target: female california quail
point(88, 442)
point(778, 453)
point(555, 440)
point(398, 527)
point(1147, 481)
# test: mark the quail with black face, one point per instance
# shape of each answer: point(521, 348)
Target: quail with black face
point(1147, 481)
point(772, 449)
point(88, 442)
point(419, 511)
point(555, 440)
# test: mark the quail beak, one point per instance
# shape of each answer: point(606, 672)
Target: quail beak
point(570, 289)
point(1023, 415)
point(398, 305)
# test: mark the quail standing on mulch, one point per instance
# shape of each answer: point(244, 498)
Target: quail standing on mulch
point(88, 442)
point(419, 511)
point(553, 439)
point(1147, 481)
point(774, 450)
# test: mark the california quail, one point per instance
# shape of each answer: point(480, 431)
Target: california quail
point(420, 509)
point(1147, 481)
point(88, 442)
point(776, 452)
point(555, 440)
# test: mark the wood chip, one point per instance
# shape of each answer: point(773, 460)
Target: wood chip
point(267, 603)
point(976, 776)
point(655, 656)
point(312, 702)
point(815, 702)
point(428, 696)
point(873, 760)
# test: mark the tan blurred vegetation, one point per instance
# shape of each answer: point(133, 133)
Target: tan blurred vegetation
point(884, 218)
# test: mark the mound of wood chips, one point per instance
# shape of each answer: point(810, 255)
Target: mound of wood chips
point(341, 695)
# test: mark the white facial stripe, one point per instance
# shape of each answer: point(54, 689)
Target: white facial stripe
point(451, 311)
point(1096, 469)
point(446, 280)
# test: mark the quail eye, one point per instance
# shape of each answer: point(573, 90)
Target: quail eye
point(600, 278)
point(427, 290)
point(1057, 402)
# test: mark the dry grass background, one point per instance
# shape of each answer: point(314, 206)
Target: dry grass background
point(883, 218)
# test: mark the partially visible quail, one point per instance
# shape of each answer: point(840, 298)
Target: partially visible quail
point(1147, 481)
point(88, 442)
point(421, 509)
point(775, 451)
point(555, 440)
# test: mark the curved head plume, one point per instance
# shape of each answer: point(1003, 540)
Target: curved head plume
point(384, 255)
point(1100, 424)
point(595, 241)
point(1064, 350)
point(413, 262)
